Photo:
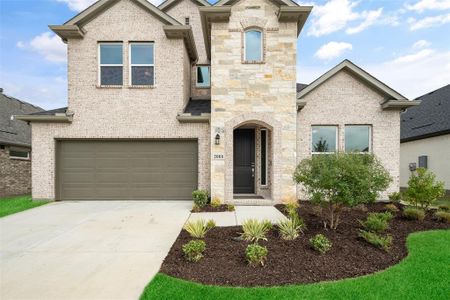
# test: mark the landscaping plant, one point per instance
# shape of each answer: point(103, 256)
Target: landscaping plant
point(215, 202)
point(198, 229)
point(391, 207)
point(444, 207)
point(443, 216)
point(230, 207)
point(395, 197)
point(290, 228)
point(377, 222)
point(256, 255)
point(200, 198)
point(193, 250)
point(414, 213)
point(255, 230)
point(340, 180)
point(376, 240)
point(320, 243)
point(423, 189)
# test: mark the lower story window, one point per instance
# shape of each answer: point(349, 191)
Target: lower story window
point(18, 153)
point(263, 157)
point(324, 139)
point(357, 138)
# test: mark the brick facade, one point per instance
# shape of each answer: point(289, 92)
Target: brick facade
point(15, 175)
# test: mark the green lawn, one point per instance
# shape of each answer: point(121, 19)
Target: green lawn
point(424, 274)
point(443, 200)
point(13, 205)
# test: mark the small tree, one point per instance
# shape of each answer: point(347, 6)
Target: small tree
point(341, 180)
point(423, 189)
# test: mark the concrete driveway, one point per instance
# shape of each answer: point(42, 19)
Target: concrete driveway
point(86, 250)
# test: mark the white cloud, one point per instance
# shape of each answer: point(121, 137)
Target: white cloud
point(79, 5)
point(423, 5)
point(335, 15)
point(413, 57)
point(369, 19)
point(428, 22)
point(48, 45)
point(332, 50)
point(421, 44)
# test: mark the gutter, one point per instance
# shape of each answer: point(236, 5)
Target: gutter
point(57, 118)
point(189, 118)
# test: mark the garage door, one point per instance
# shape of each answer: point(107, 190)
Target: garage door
point(126, 170)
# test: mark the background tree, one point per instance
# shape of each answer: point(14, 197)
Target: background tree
point(340, 180)
point(321, 146)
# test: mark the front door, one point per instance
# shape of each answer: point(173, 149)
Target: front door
point(244, 161)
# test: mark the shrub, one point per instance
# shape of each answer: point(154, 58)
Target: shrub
point(230, 207)
point(255, 230)
point(391, 207)
point(413, 213)
point(193, 250)
point(377, 222)
point(198, 229)
point(256, 254)
point(200, 198)
point(395, 197)
point(289, 229)
point(376, 240)
point(444, 207)
point(320, 243)
point(443, 216)
point(215, 202)
point(423, 189)
point(341, 180)
point(195, 208)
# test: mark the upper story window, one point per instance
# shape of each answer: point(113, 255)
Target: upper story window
point(203, 76)
point(142, 64)
point(357, 138)
point(253, 45)
point(324, 139)
point(110, 64)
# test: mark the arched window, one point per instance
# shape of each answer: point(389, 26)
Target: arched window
point(253, 42)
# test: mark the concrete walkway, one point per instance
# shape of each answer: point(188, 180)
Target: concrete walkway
point(86, 250)
point(241, 214)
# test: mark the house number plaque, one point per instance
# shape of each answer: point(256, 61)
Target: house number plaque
point(218, 156)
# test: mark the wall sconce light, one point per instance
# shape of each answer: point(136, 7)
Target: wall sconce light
point(217, 139)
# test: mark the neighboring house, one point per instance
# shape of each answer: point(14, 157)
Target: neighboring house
point(425, 137)
point(15, 147)
point(164, 100)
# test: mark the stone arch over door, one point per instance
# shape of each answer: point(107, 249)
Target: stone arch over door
point(262, 119)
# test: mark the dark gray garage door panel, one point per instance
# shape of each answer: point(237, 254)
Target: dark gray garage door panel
point(121, 170)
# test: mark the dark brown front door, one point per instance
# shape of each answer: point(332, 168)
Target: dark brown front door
point(244, 161)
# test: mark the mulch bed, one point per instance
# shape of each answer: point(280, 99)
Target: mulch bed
point(209, 208)
point(293, 262)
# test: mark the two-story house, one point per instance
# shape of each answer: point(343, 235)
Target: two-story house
point(164, 100)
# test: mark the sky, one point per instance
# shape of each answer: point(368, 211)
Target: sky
point(404, 43)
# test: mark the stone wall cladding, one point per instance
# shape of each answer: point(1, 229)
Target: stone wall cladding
point(342, 100)
point(15, 175)
point(180, 11)
point(126, 113)
point(261, 94)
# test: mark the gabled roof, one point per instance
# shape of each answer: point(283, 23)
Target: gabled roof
point(358, 72)
point(279, 2)
point(14, 132)
point(430, 118)
point(100, 6)
point(169, 3)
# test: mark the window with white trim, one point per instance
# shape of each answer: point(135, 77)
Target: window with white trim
point(142, 63)
point(253, 45)
point(110, 63)
point(358, 138)
point(19, 154)
point(203, 76)
point(264, 158)
point(324, 139)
